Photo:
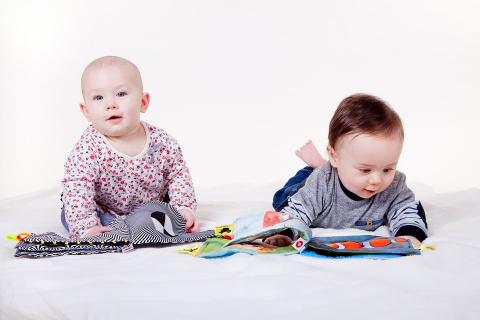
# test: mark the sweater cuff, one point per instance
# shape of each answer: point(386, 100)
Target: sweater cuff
point(413, 231)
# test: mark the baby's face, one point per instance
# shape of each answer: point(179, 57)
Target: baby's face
point(113, 99)
point(365, 163)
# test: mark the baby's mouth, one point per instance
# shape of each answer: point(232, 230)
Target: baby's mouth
point(113, 118)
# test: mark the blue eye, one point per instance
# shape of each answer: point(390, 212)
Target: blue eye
point(98, 97)
point(121, 94)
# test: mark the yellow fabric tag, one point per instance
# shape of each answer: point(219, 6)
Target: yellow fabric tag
point(12, 236)
point(192, 250)
point(18, 237)
point(424, 247)
point(225, 231)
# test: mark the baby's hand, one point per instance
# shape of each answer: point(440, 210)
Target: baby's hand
point(191, 224)
point(278, 240)
point(415, 243)
point(96, 230)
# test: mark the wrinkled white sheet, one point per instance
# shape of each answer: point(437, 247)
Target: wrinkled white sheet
point(163, 284)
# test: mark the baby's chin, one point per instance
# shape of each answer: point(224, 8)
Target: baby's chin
point(111, 133)
point(114, 130)
point(366, 194)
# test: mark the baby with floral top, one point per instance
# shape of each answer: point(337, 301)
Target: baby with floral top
point(120, 162)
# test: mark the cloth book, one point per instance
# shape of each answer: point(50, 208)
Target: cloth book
point(247, 233)
point(153, 224)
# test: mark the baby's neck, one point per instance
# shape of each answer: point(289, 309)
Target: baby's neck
point(130, 144)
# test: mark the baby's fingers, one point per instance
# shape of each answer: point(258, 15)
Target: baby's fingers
point(105, 229)
point(189, 222)
point(195, 227)
point(95, 231)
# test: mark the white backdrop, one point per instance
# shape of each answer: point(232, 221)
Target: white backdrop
point(241, 84)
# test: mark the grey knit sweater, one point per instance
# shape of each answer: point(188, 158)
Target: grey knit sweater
point(324, 202)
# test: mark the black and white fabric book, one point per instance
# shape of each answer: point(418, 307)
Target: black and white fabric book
point(153, 224)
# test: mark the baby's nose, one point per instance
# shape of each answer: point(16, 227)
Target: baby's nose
point(374, 179)
point(112, 105)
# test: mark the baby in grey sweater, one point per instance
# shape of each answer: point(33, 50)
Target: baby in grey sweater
point(359, 187)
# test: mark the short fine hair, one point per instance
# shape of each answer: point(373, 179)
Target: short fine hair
point(109, 61)
point(363, 114)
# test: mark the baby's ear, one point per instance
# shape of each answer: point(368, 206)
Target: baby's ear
point(145, 102)
point(332, 155)
point(84, 110)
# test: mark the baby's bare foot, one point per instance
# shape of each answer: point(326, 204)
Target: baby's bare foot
point(310, 155)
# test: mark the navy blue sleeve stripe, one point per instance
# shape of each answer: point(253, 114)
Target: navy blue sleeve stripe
point(411, 217)
point(409, 230)
point(405, 210)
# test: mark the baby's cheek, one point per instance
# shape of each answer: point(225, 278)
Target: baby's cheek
point(388, 182)
point(354, 183)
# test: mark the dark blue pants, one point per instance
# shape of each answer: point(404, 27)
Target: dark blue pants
point(105, 218)
point(280, 198)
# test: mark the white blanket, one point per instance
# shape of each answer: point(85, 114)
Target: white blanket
point(163, 284)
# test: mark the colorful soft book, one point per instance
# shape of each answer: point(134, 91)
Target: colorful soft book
point(247, 233)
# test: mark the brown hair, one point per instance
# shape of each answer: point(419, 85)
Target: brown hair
point(363, 113)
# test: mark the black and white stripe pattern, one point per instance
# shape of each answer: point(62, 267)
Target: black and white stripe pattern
point(153, 224)
point(41, 251)
point(160, 223)
point(408, 215)
point(120, 233)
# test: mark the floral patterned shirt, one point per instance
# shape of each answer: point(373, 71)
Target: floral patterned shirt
point(98, 177)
